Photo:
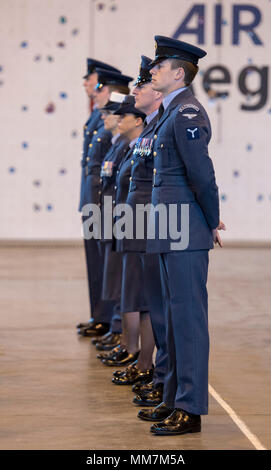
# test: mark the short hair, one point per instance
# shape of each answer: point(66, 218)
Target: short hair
point(190, 70)
point(119, 88)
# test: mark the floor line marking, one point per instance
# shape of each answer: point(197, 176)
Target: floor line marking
point(241, 425)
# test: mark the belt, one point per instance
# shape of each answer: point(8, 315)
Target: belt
point(92, 171)
point(137, 183)
point(163, 179)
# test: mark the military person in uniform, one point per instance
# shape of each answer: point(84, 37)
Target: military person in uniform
point(92, 258)
point(130, 126)
point(183, 176)
point(148, 101)
point(133, 298)
point(112, 260)
point(108, 81)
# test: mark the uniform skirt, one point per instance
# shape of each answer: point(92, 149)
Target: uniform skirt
point(133, 294)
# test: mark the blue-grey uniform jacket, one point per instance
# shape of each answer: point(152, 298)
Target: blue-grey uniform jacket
point(97, 149)
point(109, 169)
point(140, 187)
point(91, 126)
point(183, 172)
point(122, 186)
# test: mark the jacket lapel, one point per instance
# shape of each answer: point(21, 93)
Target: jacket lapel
point(177, 100)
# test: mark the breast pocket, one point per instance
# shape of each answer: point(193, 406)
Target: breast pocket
point(164, 153)
point(132, 186)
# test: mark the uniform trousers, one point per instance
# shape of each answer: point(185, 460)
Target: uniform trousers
point(111, 283)
point(155, 301)
point(184, 278)
point(101, 311)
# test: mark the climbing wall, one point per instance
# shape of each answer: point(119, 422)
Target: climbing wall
point(44, 45)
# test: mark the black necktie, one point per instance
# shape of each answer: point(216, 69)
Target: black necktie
point(160, 111)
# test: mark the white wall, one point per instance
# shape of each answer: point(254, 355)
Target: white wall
point(37, 200)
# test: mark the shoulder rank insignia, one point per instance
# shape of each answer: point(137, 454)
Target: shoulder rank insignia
point(188, 106)
point(192, 133)
point(189, 115)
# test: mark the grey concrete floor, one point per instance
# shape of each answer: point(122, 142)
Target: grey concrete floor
point(55, 394)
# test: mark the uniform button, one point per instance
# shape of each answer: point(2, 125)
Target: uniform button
point(90, 145)
point(154, 170)
point(131, 178)
point(155, 136)
point(95, 132)
point(162, 145)
point(99, 139)
point(87, 159)
point(115, 187)
point(154, 154)
point(87, 132)
point(99, 192)
point(118, 172)
point(132, 162)
point(114, 202)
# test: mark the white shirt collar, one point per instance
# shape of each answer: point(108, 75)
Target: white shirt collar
point(114, 138)
point(167, 100)
point(150, 117)
point(133, 142)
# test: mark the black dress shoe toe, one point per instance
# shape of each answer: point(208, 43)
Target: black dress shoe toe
point(106, 347)
point(156, 388)
point(96, 340)
point(117, 373)
point(109, 343)
point(179, 422)
point(110, 354)
point(132, 375)
point(85, 324)
point(121, 359)
point(100, 339)
point(153, 398)
point(159, 413)
point(139, 387)
point(99, 329)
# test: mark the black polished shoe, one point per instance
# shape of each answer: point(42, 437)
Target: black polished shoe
point(85, 324)
point(110, 354)
point(98, 329)
point(153, 398)
point(117, 373)
point(159, 413)
point(121, 359)
point(139, 387)
point(132, 375)
point(111, 342)
point(179, 422)
point(98, 339)
point(143, 392)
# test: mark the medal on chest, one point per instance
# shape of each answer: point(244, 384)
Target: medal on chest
point(107, 168)
point(143, 147)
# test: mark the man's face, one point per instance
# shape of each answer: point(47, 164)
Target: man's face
point(144, 96)
point(110, 120)
point(90, 83)
point(164, 77)
point(101, 97)
point(127, 123)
